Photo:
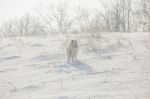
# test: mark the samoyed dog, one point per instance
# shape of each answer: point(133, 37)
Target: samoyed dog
point(72, 51)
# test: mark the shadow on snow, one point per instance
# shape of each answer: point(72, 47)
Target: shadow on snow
point(81, 66)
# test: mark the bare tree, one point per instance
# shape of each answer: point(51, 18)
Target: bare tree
point(117, 16)
point(128, 13)
point(46, 18)
point(61, 16)
point(22, 26)
point(83, 20)
point(146, 14)
point(57, 19)
point(7, 28)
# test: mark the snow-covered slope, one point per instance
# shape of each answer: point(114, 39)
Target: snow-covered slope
point(36, 68)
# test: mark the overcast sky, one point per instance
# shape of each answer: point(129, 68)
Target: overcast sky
point(12, 8)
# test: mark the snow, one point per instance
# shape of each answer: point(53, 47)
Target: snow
point(36, 68)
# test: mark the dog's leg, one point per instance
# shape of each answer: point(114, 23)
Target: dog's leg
point(72, 58)
point(68, 59)
point(75, 58)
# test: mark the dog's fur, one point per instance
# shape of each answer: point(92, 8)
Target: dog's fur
point(72, 51)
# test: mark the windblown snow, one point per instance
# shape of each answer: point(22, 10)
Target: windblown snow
point(36, 68)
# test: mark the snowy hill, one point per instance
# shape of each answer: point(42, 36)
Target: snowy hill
point(36, 68)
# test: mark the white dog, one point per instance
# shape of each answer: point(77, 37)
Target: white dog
point(71, 51)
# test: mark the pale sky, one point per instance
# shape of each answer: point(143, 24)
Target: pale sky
point(12, 8)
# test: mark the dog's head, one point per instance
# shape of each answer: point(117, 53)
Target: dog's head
point(74, 43)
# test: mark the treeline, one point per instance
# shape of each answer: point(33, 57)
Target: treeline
point(116, 16)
